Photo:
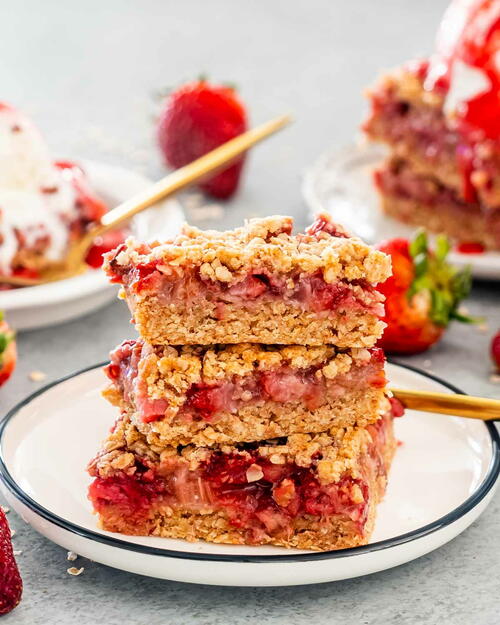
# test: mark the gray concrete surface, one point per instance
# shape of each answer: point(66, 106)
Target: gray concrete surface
point(87, 72)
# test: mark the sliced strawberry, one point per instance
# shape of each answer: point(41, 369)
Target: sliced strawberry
point(324, 223)
point(495, 350)
point(422, 295)
point(284, 385)
point(468, 37)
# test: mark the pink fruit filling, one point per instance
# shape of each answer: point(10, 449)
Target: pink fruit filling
point(256, 495)
point(205, 401)
point(308, 291)
point(399, 181)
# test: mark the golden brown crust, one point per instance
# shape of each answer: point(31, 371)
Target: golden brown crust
point(264, 243)
point(273, 322)
point(265, 420)
point(306, 532)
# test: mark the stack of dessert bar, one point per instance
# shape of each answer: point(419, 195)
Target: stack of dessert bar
point(436, 175)
point(253, 406)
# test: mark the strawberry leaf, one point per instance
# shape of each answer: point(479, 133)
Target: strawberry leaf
point(446, 285)
point(419, 244)
point(442, 247)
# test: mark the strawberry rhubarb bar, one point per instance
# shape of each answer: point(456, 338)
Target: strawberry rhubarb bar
point(247, 392)
point(259, 283)
point(440, 118)
point(435, 177)
point(310, 491)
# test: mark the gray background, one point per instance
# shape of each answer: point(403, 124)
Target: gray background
point(87, 72)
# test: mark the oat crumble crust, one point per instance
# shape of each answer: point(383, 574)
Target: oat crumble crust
point(264, 243)
point(271, 322)
point(307, 532)
point(260, 420)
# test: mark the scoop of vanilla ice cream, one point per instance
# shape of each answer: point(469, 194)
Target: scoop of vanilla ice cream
point(36, 199)
point(25, 161)
point(28, 213)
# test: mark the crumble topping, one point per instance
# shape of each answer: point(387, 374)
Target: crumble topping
point(405, 84)
point(264, 243)
point(333, 453)
point(169, 372)
point(183, 366)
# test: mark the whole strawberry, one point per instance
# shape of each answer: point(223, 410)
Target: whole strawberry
point(495, 350)
point(8, 351)
point(422, 295)
point(196, 118)
point(11, 585)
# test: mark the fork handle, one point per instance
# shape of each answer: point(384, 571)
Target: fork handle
point(481, 408)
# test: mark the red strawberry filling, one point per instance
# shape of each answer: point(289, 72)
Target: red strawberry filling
point(205, 401)
point(306, 291)
point(255, 494)
point(400, 181)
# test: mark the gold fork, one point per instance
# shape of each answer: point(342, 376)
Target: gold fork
point(74, 262)
point(481, 408)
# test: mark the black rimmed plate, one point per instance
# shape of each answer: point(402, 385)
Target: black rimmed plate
point(442, 478)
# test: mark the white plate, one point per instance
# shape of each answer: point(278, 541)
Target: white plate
point(53, 303)
point(443, 477)
point(340, 183)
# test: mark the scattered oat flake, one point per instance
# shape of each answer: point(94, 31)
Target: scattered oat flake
point(17, 552)
point(5, 509)
point(483, 327)
point(12, 533)
point(74, 571)
point(37, 376)
point(495, 378)
point(72, 556)
point(254, 473)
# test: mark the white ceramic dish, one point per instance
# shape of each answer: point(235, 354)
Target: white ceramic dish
point(56, 302)
point(340, 183)
point(443, 477)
